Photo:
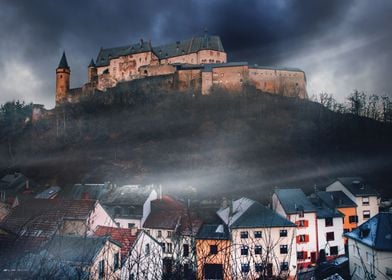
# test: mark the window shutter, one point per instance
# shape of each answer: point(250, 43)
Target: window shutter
point(306, 223)
point(298, 239)
point(305, 254)
point(306, 238)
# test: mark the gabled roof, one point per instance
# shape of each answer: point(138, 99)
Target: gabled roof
point(188, 46)
point(213, 232)
point(375, 232)
point(335, 199)
point(76, 249)
point(63, 62)
point(124, 236)
point(238, 207)
point(42, 217)
point(259, 216)
point(357, 186)
point(165, 213)
point(294, 201)
point(105, 55)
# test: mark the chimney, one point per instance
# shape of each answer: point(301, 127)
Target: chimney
point(85, 196)
point(27, 185)
point(160, 191)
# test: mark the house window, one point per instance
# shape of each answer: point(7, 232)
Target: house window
point(244, 250)
point(283, 249)
point(258, 234)
point(147, 249)
point(131, 276)
point(330, 236)
point(301, 214)
point(163, 245)
point(185, 250)
point(258, 267)
point(346, 230)
point(302, 255)
point(131, 225)
point(302, 223)
point(284, 266)
point(213, 249)
point(244, 234)
point(365, 200)
point(159, 234)
point(169, 247)
point(116, 261)
point(283, 233)
point(366, 214)
point(353, 219)
point(245, 267)
point(302, 238)
point(101, 269)
point(258, 250)
point(169, 234)
point(333, 250)
point(328, 222)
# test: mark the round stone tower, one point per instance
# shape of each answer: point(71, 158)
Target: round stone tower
point(63, 74)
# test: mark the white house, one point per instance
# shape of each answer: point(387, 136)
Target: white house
point(296, 207)
point(144, 260)
point(262, 241)
point(366, 198)
point(370, 248)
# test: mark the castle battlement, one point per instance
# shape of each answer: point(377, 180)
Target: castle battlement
point(198, 64)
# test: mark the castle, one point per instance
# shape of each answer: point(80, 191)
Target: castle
point(197, 64)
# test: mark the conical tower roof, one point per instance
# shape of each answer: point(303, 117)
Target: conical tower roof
point(92, 64)
point(63, 62)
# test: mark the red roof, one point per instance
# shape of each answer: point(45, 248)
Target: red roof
point(125, 236)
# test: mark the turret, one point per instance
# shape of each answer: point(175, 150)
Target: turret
point(63, 74)
point(92, 72)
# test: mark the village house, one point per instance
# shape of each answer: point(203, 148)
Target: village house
point(262, 241)
point(69, 257)
point(36, 221)
point(145, 259)
point(365, 197)
point(296, 207)
point(213, 251)
point(370, 248)
point(339, 201)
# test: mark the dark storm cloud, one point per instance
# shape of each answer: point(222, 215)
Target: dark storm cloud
point(280, 32)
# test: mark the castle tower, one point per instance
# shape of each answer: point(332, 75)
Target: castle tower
point(63, 73)
point(92, 72)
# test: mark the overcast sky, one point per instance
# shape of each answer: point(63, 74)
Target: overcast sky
point(341, 45)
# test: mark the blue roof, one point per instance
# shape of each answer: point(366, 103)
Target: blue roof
point(259, 216)
point(63, 62)
point(357, 186)
point(335, 199)
point(294, 201)
point(375, 233)
point(214, 232)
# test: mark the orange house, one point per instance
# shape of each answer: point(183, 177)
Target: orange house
point(213, 253)
point(340, 201)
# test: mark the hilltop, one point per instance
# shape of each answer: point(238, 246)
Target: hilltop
point(222, 143)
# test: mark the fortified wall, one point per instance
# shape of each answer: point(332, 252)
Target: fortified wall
point(196, 64)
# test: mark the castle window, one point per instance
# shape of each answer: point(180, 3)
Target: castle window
point(222, 75)
point(140, 59)
point(61, 76)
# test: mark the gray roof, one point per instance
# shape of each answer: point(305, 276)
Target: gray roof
point(294, 201)
point(63, 62)
point(211, 66)
point(76, 249)
point(49, 192)
point(357, 186)
point(213, 232)
point(105, 55)
point(335, 199)
point(375, 233)
point(294, 69)
point(188, 46)
point(92, 63)
point(259, 216)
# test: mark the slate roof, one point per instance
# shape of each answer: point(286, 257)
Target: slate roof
point(213, 232)
point(335, 199)
point(92, 63)
point(259, 216)
point(165, 214)
point(42, 217)
point(238, 207)
point(324, 211)
point(357, 186)
point(105, 55)
point(49, 192)
point(295, 69)
point(294, 201)
point(124, 236)
point(189, 46)
point(375, 232)
point(63, 62)
point(76, 249)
